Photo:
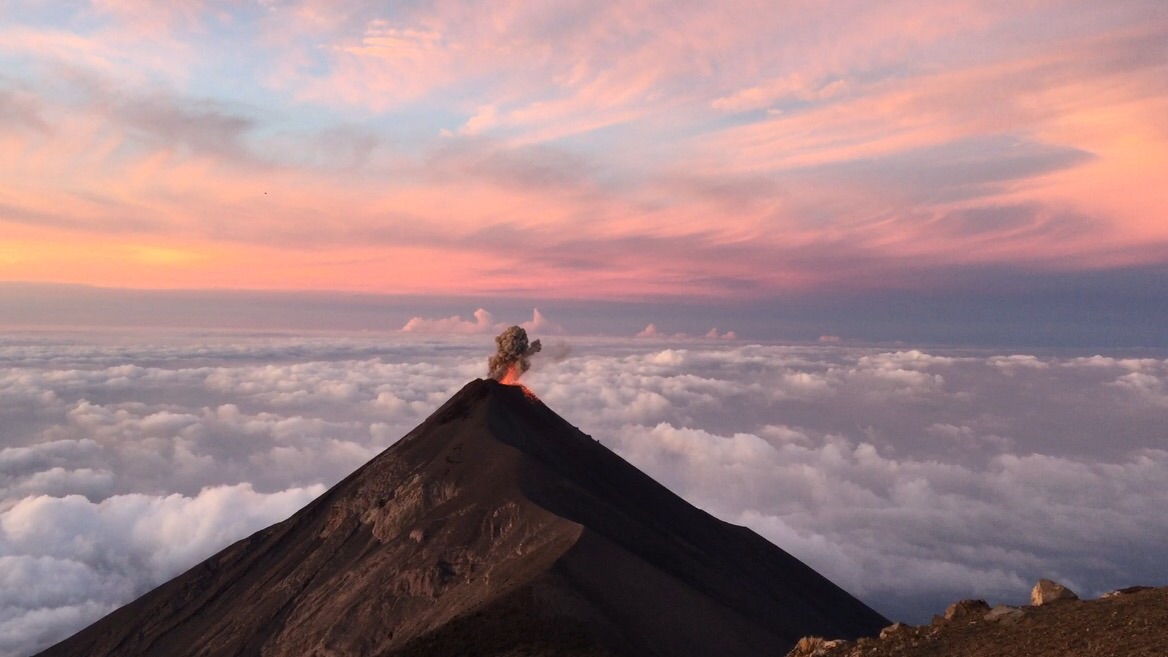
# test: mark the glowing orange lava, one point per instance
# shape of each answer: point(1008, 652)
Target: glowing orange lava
point(511, 378)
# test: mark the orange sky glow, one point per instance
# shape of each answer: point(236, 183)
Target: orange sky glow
point(595, 151)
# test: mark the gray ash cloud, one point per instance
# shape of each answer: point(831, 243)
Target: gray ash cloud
point(513, 354)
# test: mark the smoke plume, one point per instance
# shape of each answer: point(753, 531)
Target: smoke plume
point(512, 357)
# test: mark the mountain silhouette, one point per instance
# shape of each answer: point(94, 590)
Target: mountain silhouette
point(493, 528)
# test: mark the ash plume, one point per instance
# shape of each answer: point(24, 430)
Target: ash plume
point(512, 357)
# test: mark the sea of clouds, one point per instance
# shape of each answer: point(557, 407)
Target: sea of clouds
point(911, 477)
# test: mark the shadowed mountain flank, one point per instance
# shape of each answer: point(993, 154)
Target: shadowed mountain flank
point(493, 528)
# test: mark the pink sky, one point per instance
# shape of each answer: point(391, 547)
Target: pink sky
point(587, 150)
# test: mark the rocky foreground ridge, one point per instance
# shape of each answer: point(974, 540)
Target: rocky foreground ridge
point(1130, 622)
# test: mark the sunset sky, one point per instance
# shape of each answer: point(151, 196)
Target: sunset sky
point(886, 282)
point(981, 153)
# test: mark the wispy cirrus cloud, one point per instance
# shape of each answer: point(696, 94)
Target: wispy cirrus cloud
point(885, 140)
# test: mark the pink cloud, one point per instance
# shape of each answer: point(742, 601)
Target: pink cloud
point(792, 87)
point(540, 324)
point(714, 335)
point(150, 18)
point(589, 151)
point(483, 323)
point(649, 331)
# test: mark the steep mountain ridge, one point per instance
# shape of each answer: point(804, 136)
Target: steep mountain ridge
point(495, 527)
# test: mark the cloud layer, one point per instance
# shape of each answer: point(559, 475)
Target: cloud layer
point(910, 477)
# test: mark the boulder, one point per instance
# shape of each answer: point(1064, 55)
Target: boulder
point(892, 629)
point(1005, 615)
point(965, 609)
point(813, 646)
point(1125, 591)
point(1046, 592)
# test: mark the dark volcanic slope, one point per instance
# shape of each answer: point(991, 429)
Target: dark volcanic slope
point(494, 528)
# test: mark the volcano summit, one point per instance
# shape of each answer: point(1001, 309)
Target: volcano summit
point(494, 528)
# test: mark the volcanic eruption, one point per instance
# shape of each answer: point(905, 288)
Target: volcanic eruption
point(495, 528)
point(512, 355)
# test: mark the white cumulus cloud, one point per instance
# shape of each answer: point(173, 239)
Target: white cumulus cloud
point(912, 477)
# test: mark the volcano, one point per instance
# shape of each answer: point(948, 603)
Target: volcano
point(493, 528)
